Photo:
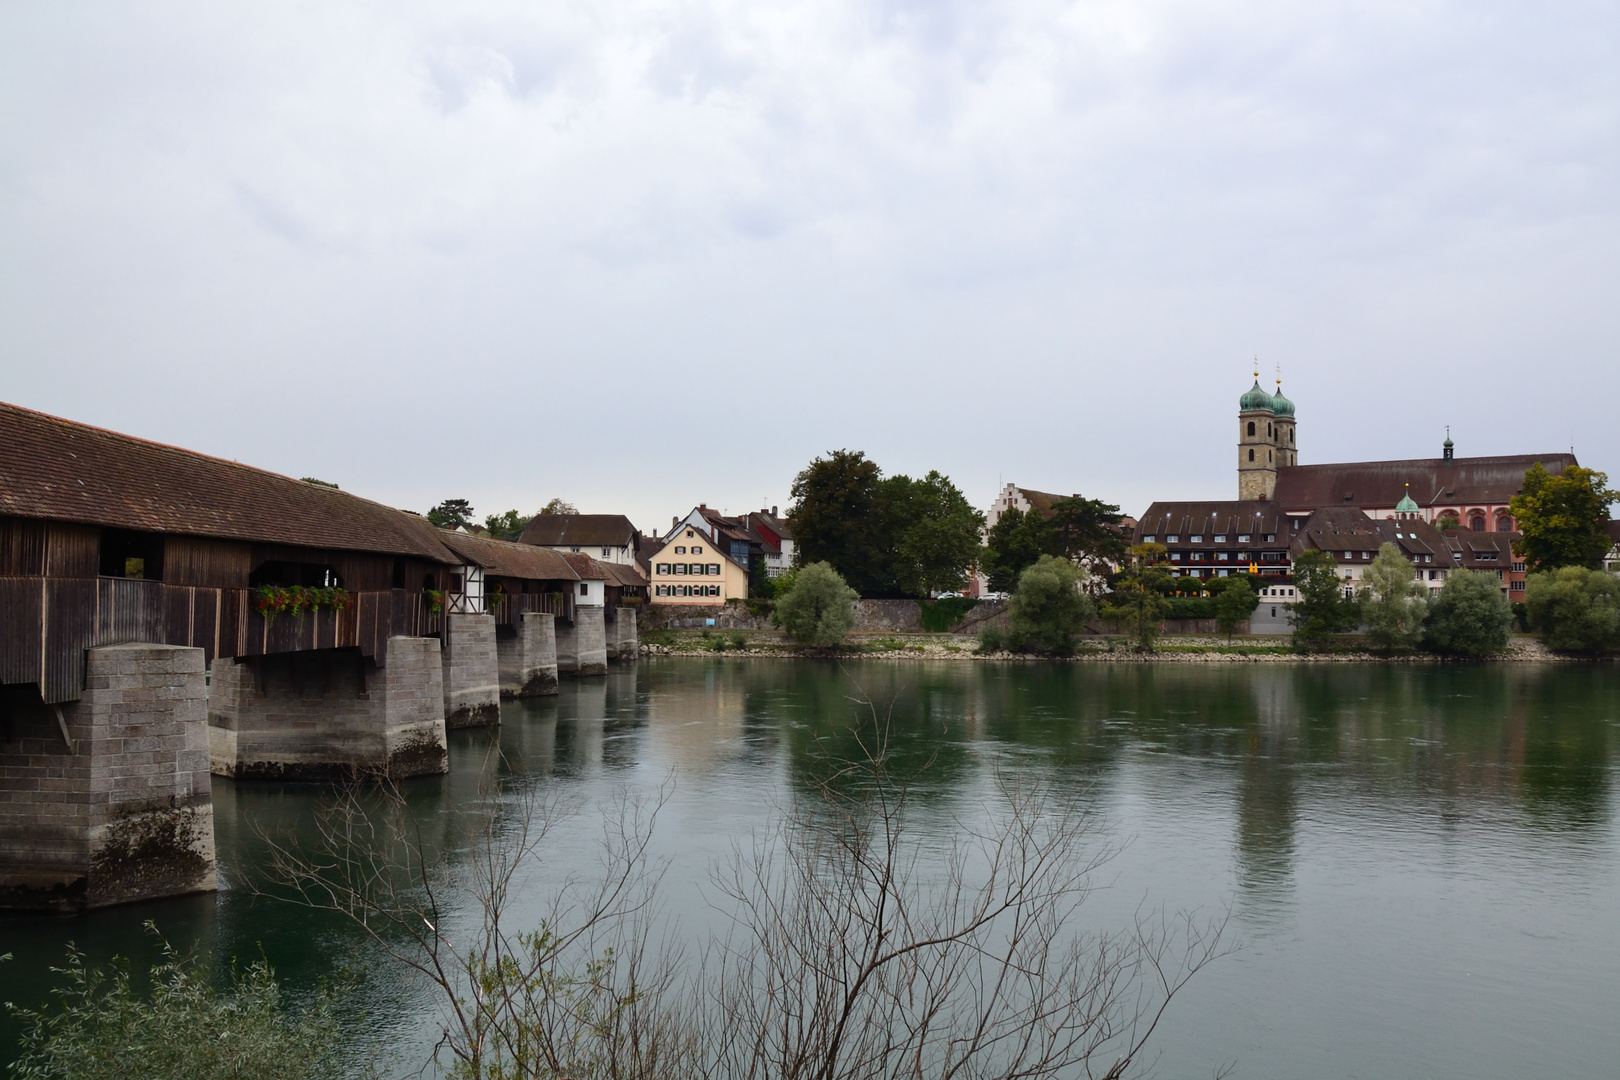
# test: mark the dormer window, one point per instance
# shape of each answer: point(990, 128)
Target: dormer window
point(1198, 539)
point(1171, 539)
point(1148, 539)
point(1220, 538)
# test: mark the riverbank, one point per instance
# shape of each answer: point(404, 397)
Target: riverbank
point(1267, 649)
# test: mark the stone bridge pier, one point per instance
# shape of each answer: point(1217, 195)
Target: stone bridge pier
point(622, 642)
point(527, 653)
point(582, 644)
point(472, 680)
point(329, 714)
point(107, 799)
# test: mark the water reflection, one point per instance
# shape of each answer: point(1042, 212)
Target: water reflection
point(1314, 794)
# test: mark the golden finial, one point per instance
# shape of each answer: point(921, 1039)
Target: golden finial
point(1256, 367)
point(1279, 378)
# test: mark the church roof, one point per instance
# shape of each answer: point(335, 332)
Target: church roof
point(1255, 399)
point(1433, 481)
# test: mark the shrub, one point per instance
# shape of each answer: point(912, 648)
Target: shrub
point(737, 639)
point(1048, 612)
point(1395, 604)
point(1189, 607)
point(819, 610)
point(1578, 609)
point(185, 1029)
point(1470, 617)
point(991, 639)
point(1234, 604)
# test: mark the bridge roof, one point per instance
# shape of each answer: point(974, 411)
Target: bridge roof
point(65, 471)
point(503, 558)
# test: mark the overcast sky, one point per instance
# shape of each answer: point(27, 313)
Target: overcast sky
point(645, 255)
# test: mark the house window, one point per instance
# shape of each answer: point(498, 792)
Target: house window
point(1251, 432)
point(607, 551)
point(661, 590)
point(584, 588)
point(1198, 539)
point(661, 568)
point(1220, 538)
point(690, 534)
point(1224, 556)
point(1147, 539)
point(714, 590)
point(1504, 524)
point(1515, 586)
point(679, 568)
point(1477, 523)
point(1366, 554)
point(1271, 538)
point(680, 551)
point(714, 568)
point(1171, 539)
point(1243, 539)
point(1175, 556)
point(1251, 452)
point(697, 551)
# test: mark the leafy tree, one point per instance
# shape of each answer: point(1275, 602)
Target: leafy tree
point(1320, 609)
point(1139, 593)
point(182, 1028)
point(558, 507)
point(1015, 542)
point(1395, 604)
point(1470, 617)
point(507, 526)
point(452, 514)
point(1234, 604)
point(820, 609)
point(837, 518)
point(1048, 612)
point(935, 530)
point(1085, 531)
point(1562, 518)
point(1078, 529)
point(1448, 524)
point(1578, 609)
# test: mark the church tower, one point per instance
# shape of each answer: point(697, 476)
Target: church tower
point(1257, 442)
point(1283, 410)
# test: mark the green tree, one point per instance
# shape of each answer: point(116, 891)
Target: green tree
point(560, 508)
point(1320, 609)
point(452, 514)
point(935, 531)
point(1047, 611)
point(1014, 544)
point(819, 610)
point(1395, 603)
point(1086, 531)
point(1139, 593)
point(1577, 609)
point(507, 526)
point(1470, 617)
point(838, 518)
point(181, 1028)
point(1234, 604)
point(1562, 518)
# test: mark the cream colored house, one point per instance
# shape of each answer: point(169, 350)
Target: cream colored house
point(691, 569)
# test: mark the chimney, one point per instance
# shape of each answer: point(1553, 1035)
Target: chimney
point(703, 506)
point(674, 521)
point(773, 511)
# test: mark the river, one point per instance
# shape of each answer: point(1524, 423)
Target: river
point(1420, 862)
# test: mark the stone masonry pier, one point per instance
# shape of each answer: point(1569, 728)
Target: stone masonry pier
point(329, 714)
point(620, 629)
point(472, 681)
point(528, 656)
point(107, 799)
point(582, 643)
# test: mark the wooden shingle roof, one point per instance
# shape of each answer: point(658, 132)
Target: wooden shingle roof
point(502, 558)
point(60, 470)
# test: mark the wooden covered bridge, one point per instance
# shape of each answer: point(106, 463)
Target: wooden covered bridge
point(165, 615)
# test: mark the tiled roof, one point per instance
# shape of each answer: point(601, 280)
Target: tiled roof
point(501, 558)
point(61, 470)
point(585, 567)
point(1208, 518)
point(1433, 481)
point(580, 530)
point(1338, 529)
point(623, 575)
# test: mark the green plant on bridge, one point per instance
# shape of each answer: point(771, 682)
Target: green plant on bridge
point(273, 600)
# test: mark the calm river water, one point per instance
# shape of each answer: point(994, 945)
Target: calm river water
point(1421, 862)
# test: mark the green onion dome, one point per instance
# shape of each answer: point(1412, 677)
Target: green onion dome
point(1407, 505)
point(1256, 400)
point(1281, 405)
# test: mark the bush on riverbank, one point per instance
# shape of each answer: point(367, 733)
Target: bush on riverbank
point(819, 610)
point(1047, 612)
point(183, 1028)
point(1470, 617)
point(1577, 609)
